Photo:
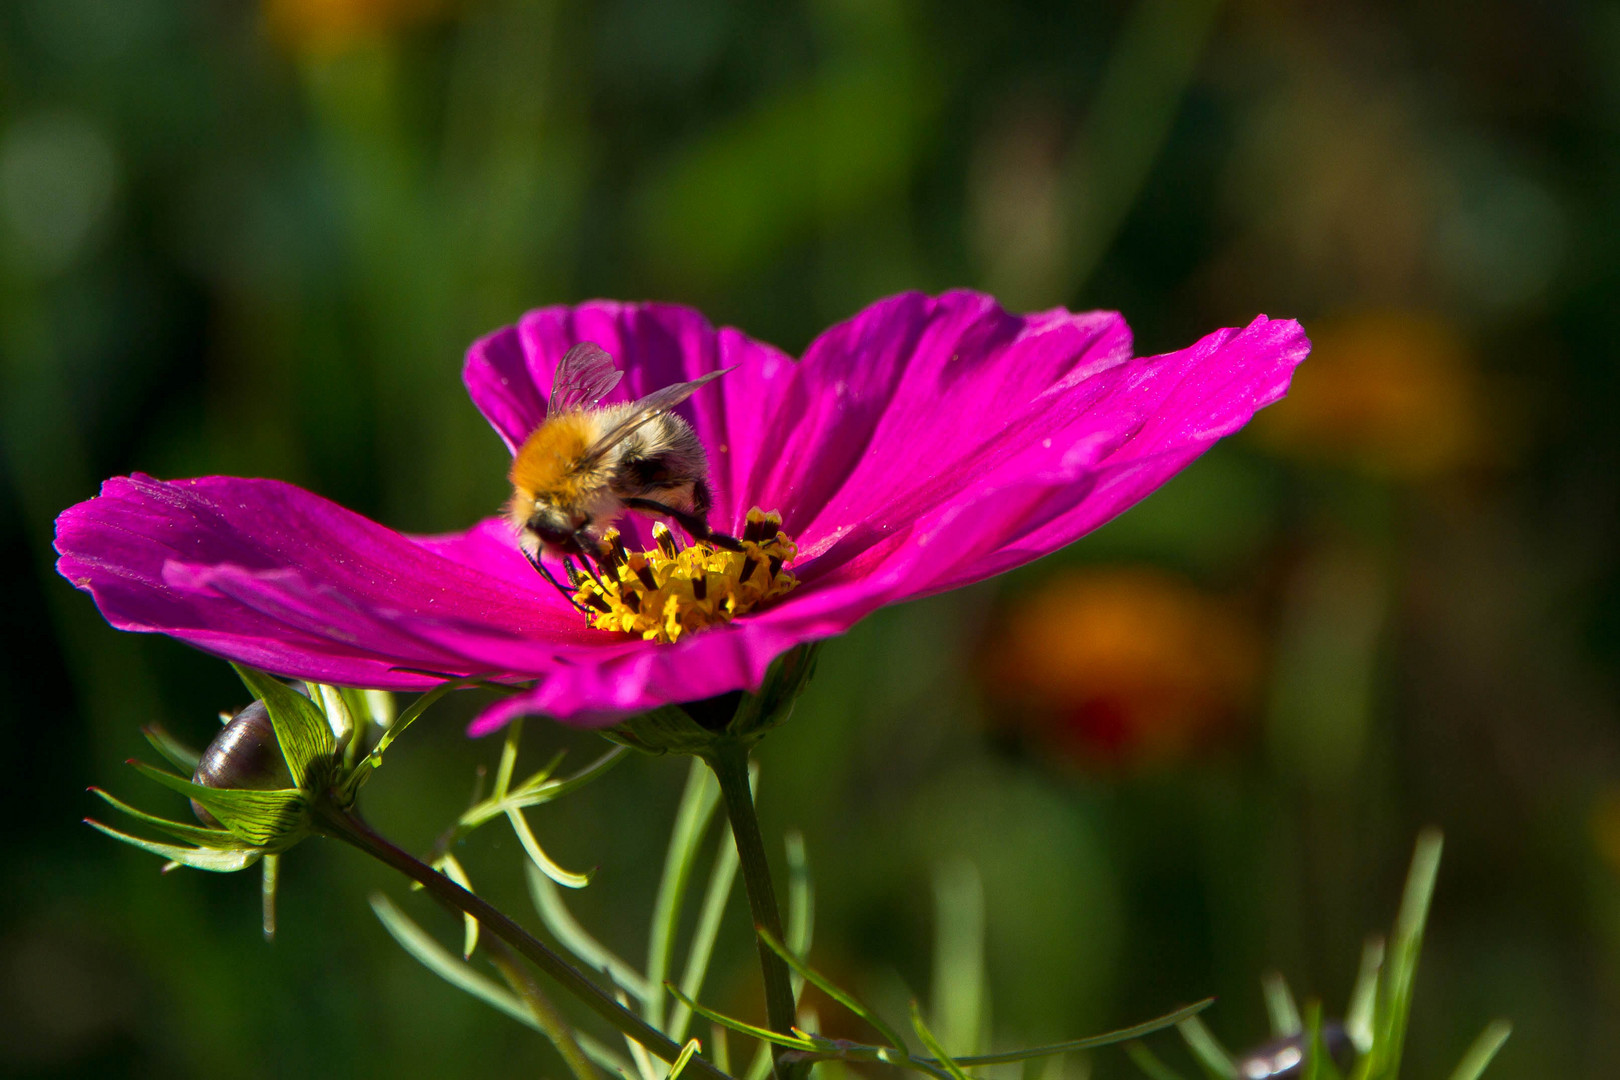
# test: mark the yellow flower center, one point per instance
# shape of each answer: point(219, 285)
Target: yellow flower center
point(667, 591)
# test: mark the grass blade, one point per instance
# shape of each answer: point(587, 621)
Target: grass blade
point(933, 1046)
point(576, 939)
point(1358, 1019)
point(1395, 1002)
point(451, 867)
point(721, 879)
point(1091, 1042)
point(1482, 1051)
point(764, 1034)
point(267, 894)
point(1319, 1064)
point(825, 985)
point(801, 903)
point(1280, 1005)
point(698, 801)
point(1212, 1057)
point(760, 1067)
point(959, 991)
point(1149, 1062)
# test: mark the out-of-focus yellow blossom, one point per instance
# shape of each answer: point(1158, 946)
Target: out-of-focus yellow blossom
point(1393, 393)
point(1605, 824)
point(1128, 666)
point(330, 26)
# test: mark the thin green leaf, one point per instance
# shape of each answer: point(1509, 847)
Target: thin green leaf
point(191, 834)
point(959, 990)
point(933, 1046)
point(839, 995)
point(509, 752)
point(604, 1055)
point(548, 901)
point(692, 1046)
point(415, 709)
point(262, 818)
point(1149, 1062)
point(1319, 1064)
point(542, 776)
point(539, 788)
point(439, 960)
point(212, 859)
point(1280, 1005)
point(1482, 1051)
point(722, 1047)
point(1091, 1042)
point(698, 801)
point(1394, 1006)
point(1211, 1056)
point(452, 869)
point(267, 895)
point(795, 1042)
point(722, 876)
point(301, 730)
point(1358, 1019)
point(638, 1053)
point(760, 1067)
point(174, 751)
point(596, 769)
point(801, 903)
point(568, 878)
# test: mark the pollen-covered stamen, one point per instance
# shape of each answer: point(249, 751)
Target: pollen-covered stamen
point(669, 591)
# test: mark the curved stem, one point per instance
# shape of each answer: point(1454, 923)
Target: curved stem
point(348, 827)
point(729, 760)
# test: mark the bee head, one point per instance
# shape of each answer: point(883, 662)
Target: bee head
point(555, 528)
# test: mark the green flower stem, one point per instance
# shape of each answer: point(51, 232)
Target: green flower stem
point(348, 827)
point(729, 760)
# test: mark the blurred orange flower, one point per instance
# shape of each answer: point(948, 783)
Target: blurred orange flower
point(330, 26)
point(1123, 666)
point(1392, 393)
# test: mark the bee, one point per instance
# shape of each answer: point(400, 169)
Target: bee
point(588, 464)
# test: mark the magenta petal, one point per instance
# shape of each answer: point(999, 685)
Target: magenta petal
point(272, 575)
point(924, 444)
point(508, 375)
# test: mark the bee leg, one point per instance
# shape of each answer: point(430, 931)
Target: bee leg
point(534, 561)
point(696, 525)
point(585, 566)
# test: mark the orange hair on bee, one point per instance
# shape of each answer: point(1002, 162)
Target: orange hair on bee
point(545, 461)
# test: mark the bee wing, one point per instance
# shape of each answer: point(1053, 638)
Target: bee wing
point(584, 376)
point(659, 401)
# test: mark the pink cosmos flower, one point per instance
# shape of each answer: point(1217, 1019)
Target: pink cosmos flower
point(926, 443)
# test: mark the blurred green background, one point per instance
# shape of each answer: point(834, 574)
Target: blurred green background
point(1193, 748)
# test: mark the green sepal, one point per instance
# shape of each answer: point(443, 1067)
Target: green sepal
point(696, 726)
point(667, 729)
point(272, 820)
point(772, 703)
point(213, 859)
point(191, 834)
point(174, 751)
point(303, 732)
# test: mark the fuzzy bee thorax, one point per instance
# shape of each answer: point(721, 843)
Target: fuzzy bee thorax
point(546, 463)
